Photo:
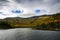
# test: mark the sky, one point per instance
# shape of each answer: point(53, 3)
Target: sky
point(28, 8)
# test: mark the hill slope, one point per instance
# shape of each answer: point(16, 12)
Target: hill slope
point(34, 22)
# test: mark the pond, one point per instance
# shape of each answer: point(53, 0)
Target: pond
point(28, 34)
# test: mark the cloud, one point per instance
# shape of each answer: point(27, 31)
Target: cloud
point(3, 2)
point(28, 6)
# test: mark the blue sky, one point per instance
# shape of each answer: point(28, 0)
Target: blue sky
point(29, 7)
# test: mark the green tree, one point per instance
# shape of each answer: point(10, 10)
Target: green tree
point(5, 25)
point(50, 25)
point(43, 25)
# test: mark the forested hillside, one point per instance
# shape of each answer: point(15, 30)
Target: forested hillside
point(38, 22)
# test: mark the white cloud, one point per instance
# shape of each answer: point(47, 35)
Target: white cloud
point(29, 7)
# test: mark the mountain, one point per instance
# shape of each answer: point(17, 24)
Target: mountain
point(32, 22)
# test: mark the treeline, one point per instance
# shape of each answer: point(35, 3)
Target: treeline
point(49, 26)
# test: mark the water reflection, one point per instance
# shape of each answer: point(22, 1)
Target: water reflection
point(28, 34)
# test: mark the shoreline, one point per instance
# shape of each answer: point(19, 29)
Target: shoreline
point(51, 29)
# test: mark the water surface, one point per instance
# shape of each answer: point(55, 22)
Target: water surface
point(28, 34)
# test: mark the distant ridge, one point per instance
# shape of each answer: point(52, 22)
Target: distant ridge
point(33, 16)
